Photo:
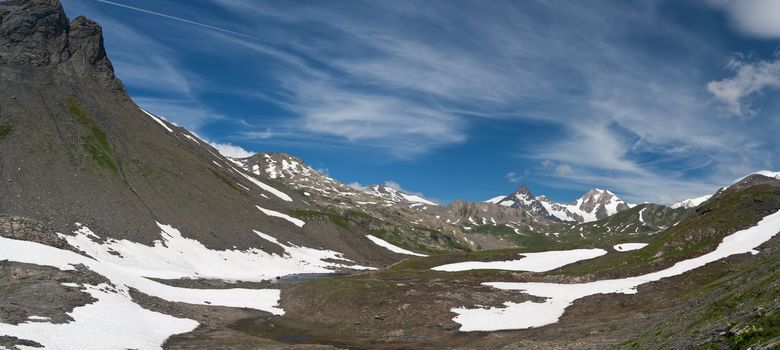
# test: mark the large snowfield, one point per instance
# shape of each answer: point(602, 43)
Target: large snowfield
point(127, 265)
point(559, 296)
point(535, 262)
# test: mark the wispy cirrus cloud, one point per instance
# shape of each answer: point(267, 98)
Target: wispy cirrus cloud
point(621, 84)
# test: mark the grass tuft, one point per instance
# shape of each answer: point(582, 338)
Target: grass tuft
point(5, 130)
point(96, 142)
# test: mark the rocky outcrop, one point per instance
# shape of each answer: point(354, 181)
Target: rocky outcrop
point(38, 33)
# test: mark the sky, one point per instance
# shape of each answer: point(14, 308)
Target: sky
point(656, 100)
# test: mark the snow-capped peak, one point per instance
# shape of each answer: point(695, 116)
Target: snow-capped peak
point(593, 205)
point(767, 173)
point(691, 202)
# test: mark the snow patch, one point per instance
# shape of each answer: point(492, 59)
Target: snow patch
point(294, 221)
point(559, 296)
point(391, 247)
point(158, 120)
point(534, 262)
point(113, 322)
point(283, 196)
point(624, 247)
point(174, 256)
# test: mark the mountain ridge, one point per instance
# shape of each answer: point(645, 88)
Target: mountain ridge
point(594, 205)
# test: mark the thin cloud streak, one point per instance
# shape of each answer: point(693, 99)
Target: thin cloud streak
point(199, 24)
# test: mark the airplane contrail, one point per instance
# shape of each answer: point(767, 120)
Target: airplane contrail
point(199, 24)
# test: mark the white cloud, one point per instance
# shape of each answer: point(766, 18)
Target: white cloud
point(564, 170)
point(401, 127)
point(749, 78)
point(759, 18)
point(230, 150)
point(356, 185)
point(513, 177)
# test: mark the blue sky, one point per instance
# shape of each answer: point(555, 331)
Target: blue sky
point(655, 100)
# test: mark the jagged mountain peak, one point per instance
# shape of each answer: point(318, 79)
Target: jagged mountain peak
point(595, 204)
point(38, 33)
point(523, 190)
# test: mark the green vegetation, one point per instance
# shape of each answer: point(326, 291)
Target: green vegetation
point(524, 239)
point(732, 305)
point(338, 220)
point(96, 142)
point(697, 234)
point(626, 225)
point(5, 130)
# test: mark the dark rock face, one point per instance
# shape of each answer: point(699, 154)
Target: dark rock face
point(87, 52)
point(37, 33)
point(33, 33)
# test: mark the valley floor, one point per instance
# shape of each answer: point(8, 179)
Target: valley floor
point(727, 304)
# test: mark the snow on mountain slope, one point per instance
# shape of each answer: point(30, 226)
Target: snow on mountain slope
point(594, 205)
point(558, 296)
point(297, 174)
point(174, 256)
point(396, 195)
point(495, 200)
point(391, 247)
point(115, 320)
point(96, 325)
point(767, 173)
point(691, 202)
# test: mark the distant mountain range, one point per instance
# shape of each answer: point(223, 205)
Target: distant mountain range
point(594, 205)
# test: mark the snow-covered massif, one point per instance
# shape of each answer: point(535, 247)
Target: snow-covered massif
point(559, 296)
point(691, 202)
point(391, 247)
point(594, 205)
point(535, 262)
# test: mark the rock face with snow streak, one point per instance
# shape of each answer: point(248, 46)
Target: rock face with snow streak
point(381, 207)
point(594, 205)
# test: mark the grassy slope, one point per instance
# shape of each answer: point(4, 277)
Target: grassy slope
point(734, 305)
point(418, 239)
point(699, 233)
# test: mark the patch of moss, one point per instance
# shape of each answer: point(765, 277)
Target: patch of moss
point(336, 219)
point(5, 130)
point(96, 142)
